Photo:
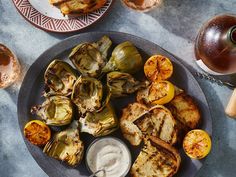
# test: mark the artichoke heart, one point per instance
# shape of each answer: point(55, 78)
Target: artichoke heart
point(59, 78)
point(87, 94)
point(55, 110)
point(125, 58)
point(99, 123)
point(90, 58)
point(122, 84)
point(103, 45)
point(66, 146)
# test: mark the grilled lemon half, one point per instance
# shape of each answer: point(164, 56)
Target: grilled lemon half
point(158, 67)
point(160, 92)
point(197, 144)
point(37, 132)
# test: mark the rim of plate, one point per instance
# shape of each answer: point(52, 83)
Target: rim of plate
point(50, 24)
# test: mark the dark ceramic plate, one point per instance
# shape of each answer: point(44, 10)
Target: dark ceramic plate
point(32, 87)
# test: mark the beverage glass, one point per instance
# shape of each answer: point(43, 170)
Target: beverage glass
point(141, 5)
point(9, 67)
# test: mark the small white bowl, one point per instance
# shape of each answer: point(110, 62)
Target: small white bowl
point(114, 139)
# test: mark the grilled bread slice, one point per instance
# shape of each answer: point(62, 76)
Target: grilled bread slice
point(56, 2)
point(185, 110)
point(160, 123)
point(137, 121)
point(156, 159)
point(130, 114)
point(81, 6)
point(142, 96)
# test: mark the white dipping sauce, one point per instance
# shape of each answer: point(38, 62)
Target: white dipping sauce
point(111, 155)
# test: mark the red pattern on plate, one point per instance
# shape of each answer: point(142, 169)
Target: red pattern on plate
point(58, 25)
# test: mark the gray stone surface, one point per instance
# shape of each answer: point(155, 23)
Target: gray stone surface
point(173, 26)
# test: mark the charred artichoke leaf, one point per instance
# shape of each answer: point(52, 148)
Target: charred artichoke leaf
point(105, 99)
point(87, 94)
point(59, 78)
point(125, 58)
point(99, 123)
point(122, 84)
point(55, 110)
point(103, 45)
point(87, 59)
point(66, 146)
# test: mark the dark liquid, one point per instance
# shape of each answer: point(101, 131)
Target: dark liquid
point(138, 2)
point(214, 46)
point(4, 58)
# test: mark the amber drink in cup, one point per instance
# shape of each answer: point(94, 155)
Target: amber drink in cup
point(9, 67)
point(141, 5)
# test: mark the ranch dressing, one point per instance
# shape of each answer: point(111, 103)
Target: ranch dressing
point(111, 155)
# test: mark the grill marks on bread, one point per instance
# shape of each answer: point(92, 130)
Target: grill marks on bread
point(69, 7)
point(81, 6)
point(186, 110)
point(56, 2)
point(156, 121)
point(186, 113)
point(156, 159)
point(130, 114)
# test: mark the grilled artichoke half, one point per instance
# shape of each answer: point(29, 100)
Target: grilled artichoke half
point(90, 58)
point(55, 110)
point(122, 84)
point(66, 146)
point(99, 123)
point(87, 94)
point(103, 45)
point(125, 58)
point(59, 78)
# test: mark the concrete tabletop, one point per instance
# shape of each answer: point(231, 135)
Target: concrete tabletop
point(173, 26)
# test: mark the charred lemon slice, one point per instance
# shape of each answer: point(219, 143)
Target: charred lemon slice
point(37, 132)
point(161, 92)
point(158, 68)
point(197, 144)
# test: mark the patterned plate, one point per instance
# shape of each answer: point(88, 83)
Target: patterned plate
point(47, 17)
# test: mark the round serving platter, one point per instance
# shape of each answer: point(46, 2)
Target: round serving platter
point(49, 18)
point(33, 85)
